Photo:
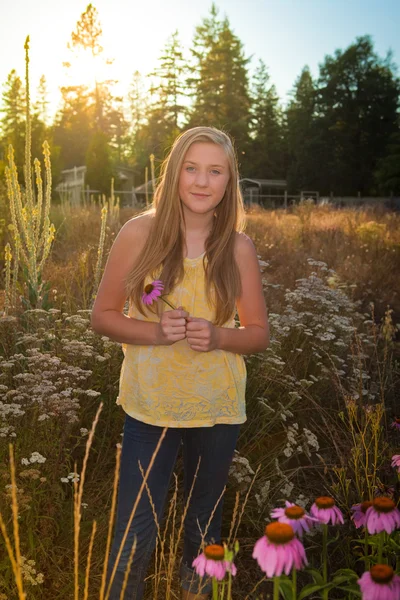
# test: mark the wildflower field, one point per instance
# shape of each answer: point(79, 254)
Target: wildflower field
point(323, 428)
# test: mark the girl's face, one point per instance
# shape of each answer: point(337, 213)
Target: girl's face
point(203, 178)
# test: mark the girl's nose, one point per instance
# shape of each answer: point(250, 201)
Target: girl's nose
point(202, 178)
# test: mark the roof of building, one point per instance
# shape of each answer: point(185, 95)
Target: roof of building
point(142, 188)
point(265, 182)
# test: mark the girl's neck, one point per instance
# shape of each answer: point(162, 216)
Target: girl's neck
point(198, 224)
point(196, 234)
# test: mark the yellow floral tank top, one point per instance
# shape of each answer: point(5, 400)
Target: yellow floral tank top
point(175, 386)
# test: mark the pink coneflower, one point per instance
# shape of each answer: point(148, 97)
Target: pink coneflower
point(396, 461)
point(380, 583)
point(382, 516)
point(359, 511)
point(325, 510)
point(279, 550)
point(152, 291)
point(396, 423)
point(211, 562)
point(295, 516)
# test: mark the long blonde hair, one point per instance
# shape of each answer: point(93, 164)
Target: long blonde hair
point(165, 244)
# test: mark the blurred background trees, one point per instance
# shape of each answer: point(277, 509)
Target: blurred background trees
point(339, 132)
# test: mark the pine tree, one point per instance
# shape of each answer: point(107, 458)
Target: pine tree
point(267, 148)
point(221, 94)
point(40, 107)
point(302, 139)
point(138, 101)
point(387, 174)
point(73, 126)
point(99, 164)
point(357, 104)
point(12, 123)
point(87, 38)
point(170, 73)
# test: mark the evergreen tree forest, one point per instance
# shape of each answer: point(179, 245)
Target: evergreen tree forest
point(338, 133)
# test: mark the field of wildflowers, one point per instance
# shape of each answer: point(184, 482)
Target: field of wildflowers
point(311, 509)
point(321, 417)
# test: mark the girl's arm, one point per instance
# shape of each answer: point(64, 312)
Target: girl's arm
point(253, 333)
point(107, 314)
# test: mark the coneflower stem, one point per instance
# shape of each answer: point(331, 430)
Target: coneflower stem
point(167, 302)
point(366, 552)
point(276, 588)
point(325, 593)
point(294, 584)
point(380, 547)
point(215, 588)
point(230, 586)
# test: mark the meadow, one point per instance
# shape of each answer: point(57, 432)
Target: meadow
point(321, 404)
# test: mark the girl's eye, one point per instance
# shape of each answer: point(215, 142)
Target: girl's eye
point(213, 171)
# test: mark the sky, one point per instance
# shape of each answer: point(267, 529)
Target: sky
point(286, 34)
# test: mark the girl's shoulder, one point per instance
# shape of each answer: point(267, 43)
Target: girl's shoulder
point(244, 247)
point(132, 237)
point(139, 225)
point(137, 229)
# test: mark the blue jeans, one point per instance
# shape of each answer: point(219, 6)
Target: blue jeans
point(216, 446)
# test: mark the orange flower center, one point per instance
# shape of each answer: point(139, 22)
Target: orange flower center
point(382, 573)
point(383, 504)
point(149, 288)
point(295, 512)
point(214, 552)
point(325, 502)
point(365, 506)
point(279, 533)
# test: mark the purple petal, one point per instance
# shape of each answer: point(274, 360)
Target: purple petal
point(276, 513)
point(199, 564)
point(270, 561)
point(287, 557)
point(338, 515)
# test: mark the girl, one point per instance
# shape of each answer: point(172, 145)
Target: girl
point(183, 367)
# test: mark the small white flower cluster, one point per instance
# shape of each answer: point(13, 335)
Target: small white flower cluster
point(84, 431)
point(12, 410)
point(311, 439)
point(263, 493)
point(292, 439)
point(29, 573)
point(287, 489)
point(285, 412)
point(36, 457)
point(306, 442)
point(302, 501)
point(262, 263)
point(72, 477)
point(241, 470)
point(7, 430)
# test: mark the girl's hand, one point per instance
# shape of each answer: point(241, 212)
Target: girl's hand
point(201, 334)
point(172, 326)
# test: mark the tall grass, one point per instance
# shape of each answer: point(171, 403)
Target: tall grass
point(320, 402)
